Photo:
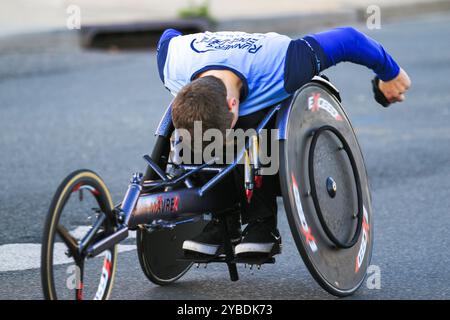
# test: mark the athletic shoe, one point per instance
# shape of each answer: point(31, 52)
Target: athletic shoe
point(210, 241)
point(260, 238)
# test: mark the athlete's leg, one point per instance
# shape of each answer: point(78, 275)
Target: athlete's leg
point(259, 214)
point(263, 203)
point(261, 236)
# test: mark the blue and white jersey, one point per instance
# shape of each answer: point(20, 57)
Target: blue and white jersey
point(257, 58)
point(271, 66)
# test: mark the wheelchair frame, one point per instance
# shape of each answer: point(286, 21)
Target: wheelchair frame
point(166, 209)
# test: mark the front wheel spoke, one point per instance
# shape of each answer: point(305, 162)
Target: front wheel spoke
point(67, 238)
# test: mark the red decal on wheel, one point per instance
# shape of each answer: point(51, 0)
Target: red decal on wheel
point(304, 228)
point(77, 187)
point(309, 237)
point(315, 104)
point(95, 192)
point(80, 291)
point(107, 266)
point(365, 239)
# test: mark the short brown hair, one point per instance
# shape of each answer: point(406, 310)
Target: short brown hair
point(205, 100)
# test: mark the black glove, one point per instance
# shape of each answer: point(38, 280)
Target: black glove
point(378, 95)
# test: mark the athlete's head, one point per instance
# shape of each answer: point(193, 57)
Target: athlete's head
point(205, 100)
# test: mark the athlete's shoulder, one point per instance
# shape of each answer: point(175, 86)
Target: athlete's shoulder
point(162, 48)
point(167, 35)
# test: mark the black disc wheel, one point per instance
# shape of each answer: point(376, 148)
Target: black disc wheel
point(81, 213)
point(326, 191)
point(160, 251)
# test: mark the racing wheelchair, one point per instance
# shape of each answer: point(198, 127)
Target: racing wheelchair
point(323, 183)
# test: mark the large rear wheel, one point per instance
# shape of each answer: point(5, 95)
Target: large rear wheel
point(326, 191)
point(160, 251)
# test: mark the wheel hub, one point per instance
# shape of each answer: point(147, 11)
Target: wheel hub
point(331, 187)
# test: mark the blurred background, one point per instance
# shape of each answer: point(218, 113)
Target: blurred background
point(79, 88)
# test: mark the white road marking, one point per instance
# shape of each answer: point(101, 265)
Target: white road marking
point(25, 256)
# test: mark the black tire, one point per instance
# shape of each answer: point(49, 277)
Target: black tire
point(77, 181)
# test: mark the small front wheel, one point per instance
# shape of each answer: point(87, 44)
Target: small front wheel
point(80, 214)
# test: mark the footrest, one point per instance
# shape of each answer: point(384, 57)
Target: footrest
point(255, 261)
point(203, 259)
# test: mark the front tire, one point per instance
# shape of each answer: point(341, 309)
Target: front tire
point(65, 226)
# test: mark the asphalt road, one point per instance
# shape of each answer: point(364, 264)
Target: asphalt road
point(64, 109)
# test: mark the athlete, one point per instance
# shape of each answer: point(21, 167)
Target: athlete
point(229, 79)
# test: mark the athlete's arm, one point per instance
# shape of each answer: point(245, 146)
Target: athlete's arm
point(348, 44)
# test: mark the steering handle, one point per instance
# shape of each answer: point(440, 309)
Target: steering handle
point(378, 95)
